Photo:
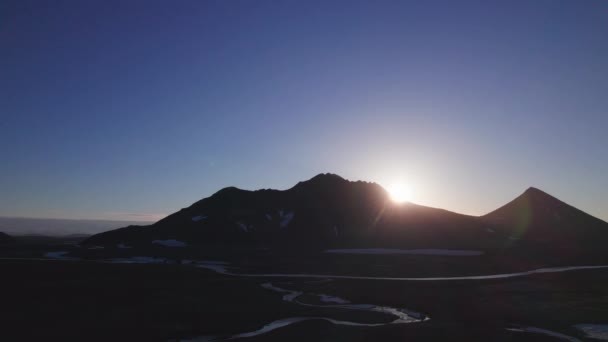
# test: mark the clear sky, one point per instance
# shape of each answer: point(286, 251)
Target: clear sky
point(134, 109)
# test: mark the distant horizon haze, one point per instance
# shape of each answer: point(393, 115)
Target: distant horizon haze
point(60, 227)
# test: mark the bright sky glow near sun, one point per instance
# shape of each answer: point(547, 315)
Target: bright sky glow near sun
point(400, 192)
point(135, 109)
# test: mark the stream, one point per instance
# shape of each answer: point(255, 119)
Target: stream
point(401, 316)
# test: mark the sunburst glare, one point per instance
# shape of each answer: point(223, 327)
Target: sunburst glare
point(400, 192)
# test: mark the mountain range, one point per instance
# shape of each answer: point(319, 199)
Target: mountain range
point(329, 211)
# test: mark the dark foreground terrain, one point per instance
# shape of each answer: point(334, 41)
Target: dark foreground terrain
point(61, 300)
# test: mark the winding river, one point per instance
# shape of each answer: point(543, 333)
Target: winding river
point(401, 316)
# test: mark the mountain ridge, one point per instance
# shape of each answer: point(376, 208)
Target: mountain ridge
point(330, 211)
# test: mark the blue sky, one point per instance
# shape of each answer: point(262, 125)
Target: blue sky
point(134, 109)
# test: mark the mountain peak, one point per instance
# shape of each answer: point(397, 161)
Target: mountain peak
point(323, 179)
point(327, 177)
point(537, 195)
point(228, 191)
point(531, 199)
point(536, 208)
point(533, 190)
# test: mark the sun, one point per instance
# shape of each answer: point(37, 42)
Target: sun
point(400, 192)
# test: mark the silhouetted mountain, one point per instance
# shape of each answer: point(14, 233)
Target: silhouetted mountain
point(329, 211)
point(326, 210)
point(5, 238)
point(540, 217)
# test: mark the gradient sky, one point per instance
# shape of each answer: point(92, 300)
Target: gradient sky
point(134, 109)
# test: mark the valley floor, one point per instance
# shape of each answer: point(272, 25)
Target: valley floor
point(79, 300)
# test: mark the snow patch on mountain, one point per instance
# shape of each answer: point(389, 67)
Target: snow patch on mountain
point(285, 218)
point(245, 227)
point(170, 243)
